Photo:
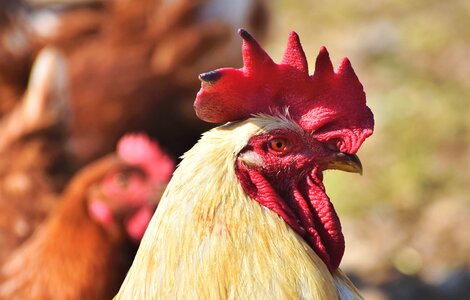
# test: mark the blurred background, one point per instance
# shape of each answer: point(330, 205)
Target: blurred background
point(133, 65)
point(407, 220)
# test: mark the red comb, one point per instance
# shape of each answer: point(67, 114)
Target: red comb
point(332, 104)
point(139, 150)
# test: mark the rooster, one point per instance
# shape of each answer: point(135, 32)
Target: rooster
point(84, 248)
point(246, 214)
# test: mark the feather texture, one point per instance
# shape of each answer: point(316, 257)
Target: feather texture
point(209, 240)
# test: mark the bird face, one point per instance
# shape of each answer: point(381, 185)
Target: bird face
point(135, 197)
point(129, 188)
point(128, 194)
point(125, 198)
point(282, 169)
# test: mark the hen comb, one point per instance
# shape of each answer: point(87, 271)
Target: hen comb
point(138, 149)
point(330, 103)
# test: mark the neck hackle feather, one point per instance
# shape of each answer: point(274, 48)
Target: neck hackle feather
point(208, 239)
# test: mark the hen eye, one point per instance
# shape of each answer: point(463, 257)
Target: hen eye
point(279, 145)
point(122, 180)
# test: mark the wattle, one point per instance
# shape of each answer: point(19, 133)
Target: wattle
point(304, 205)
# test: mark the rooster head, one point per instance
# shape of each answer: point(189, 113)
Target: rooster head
point(309, 123)
point(129, 192)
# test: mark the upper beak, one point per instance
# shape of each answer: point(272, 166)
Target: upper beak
point(344, 162)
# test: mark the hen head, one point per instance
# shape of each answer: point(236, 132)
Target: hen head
point(128, 194)
point(310, 123)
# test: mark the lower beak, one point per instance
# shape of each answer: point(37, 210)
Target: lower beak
point(343, 162)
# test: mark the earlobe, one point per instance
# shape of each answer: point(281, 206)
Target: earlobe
point(251, 159)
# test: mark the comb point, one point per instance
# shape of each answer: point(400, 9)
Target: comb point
point(347, 72)
point(245, 34)
point(294, 54)
point(254, 57)
point(210, 77)
point(345, 66)
point(323, 64)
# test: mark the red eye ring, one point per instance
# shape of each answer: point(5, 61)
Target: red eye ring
point(279, 145)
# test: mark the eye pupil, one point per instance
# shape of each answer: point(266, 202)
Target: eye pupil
point(279, 145)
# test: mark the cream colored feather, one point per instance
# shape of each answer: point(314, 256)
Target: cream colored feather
point(209, 240)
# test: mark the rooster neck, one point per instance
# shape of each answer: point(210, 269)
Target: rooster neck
point(208, 239)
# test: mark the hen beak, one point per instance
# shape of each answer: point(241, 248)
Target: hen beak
point(343, 162)
point(157, 193)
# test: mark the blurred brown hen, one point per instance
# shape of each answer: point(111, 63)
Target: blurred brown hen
point(32, 154)
point(84, 248)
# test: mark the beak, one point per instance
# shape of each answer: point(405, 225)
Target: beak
point(343, 162)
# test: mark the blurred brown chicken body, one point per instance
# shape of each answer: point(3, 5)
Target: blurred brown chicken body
point(33, 160)
point(134, 64)
point(26, 193)
point(17, 49)
point(85, 246)
point(71, 256)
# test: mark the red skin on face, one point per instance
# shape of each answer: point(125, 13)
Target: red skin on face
point(289, 183)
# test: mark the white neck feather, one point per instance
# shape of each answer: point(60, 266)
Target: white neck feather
point(209, 240)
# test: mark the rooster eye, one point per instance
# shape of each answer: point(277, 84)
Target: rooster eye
point(279, 145)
